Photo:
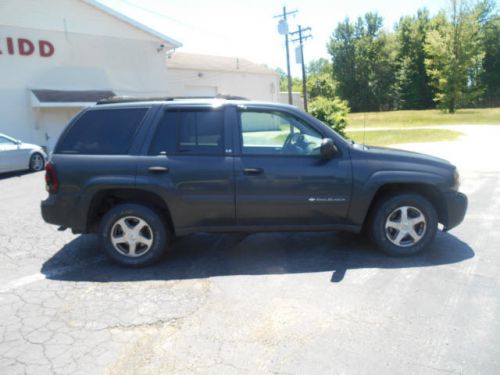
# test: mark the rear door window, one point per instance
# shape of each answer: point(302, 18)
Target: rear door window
point(164, 138)
point(200, 132)
point(187, 132)
point(102, 132)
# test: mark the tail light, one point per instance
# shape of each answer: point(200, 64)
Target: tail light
point(51, 181)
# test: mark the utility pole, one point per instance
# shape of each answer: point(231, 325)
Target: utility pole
point(301, 40)
point(283, 29)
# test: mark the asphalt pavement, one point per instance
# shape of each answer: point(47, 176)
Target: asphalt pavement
point(274, 303)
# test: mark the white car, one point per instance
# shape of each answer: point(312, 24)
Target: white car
point(16, 155)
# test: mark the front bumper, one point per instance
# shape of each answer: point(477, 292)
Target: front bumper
point(456, 206)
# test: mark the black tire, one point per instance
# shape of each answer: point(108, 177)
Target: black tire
point(155, 231)
point(35, 165)
point(387, 211)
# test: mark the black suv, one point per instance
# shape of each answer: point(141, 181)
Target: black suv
point(139, 173)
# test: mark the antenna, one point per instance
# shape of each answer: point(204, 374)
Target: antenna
point(364, 127)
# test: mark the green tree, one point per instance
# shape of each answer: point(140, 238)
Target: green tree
point(364, 58)
point(296, 82)
point(454, 56)
point(343, 51)
point(323, 103)
point(382, 71)
point(320, 85)
point(412, 87)
point(490, 77)
point(320, 79)
point(332, 112)
point(319, 66)
point(281, 73)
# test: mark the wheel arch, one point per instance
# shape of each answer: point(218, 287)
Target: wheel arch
point(428, 191)
point(103, 200)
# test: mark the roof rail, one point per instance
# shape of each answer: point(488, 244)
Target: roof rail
point(132, 99)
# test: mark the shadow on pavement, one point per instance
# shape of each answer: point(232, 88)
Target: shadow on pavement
point(205, 255)
point(6, 175)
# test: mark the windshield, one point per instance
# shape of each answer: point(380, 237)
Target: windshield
point(9, 138)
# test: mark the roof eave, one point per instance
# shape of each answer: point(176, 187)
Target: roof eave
point(200, 68)
point(174, 43)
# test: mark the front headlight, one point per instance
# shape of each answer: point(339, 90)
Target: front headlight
point(456, 180)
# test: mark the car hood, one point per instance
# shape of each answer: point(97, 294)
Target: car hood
point(390, 154)
point(408, 154)
point(30, 146)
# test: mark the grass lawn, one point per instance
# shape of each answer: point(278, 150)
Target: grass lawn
point(401, 119)
point(388, 137)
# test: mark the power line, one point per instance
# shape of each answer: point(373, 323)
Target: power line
point(283, 29)
point(301, 39)
point(182, 23)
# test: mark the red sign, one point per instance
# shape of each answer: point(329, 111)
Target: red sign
point(26, 47)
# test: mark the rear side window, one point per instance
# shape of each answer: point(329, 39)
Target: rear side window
point(102, 132)
point(200, 132)
point(164, 138)
point(189, 132)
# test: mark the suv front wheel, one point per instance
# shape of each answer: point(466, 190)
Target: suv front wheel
point(404, 224)
point(133, 235)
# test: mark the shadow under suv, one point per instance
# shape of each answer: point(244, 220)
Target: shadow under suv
point(139, 173)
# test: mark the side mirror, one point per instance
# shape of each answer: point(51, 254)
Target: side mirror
point(18, 142)
point(328, 149)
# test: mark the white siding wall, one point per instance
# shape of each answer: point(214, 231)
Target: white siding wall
point(93, 51)
point(297, 99)
point(72, 16)
point(263, 87)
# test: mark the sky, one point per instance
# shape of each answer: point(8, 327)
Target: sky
point(247, 29)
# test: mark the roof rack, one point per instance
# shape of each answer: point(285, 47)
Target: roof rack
point(132, 99)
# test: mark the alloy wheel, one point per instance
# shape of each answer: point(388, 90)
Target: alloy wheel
point(132, 236)
point(37, 162)
point(405, 226)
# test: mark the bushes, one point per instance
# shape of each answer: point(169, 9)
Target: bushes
point(332, 112)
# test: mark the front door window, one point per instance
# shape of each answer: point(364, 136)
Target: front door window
point(274, 133)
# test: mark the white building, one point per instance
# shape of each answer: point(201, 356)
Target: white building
point(57, 56)
point(297, 98)
point(192, 74)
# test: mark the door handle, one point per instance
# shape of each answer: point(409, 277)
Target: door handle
point(158, 169)
point(253, 171)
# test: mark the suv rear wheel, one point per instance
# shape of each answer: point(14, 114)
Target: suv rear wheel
point(133, 235)
point(404, 224)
